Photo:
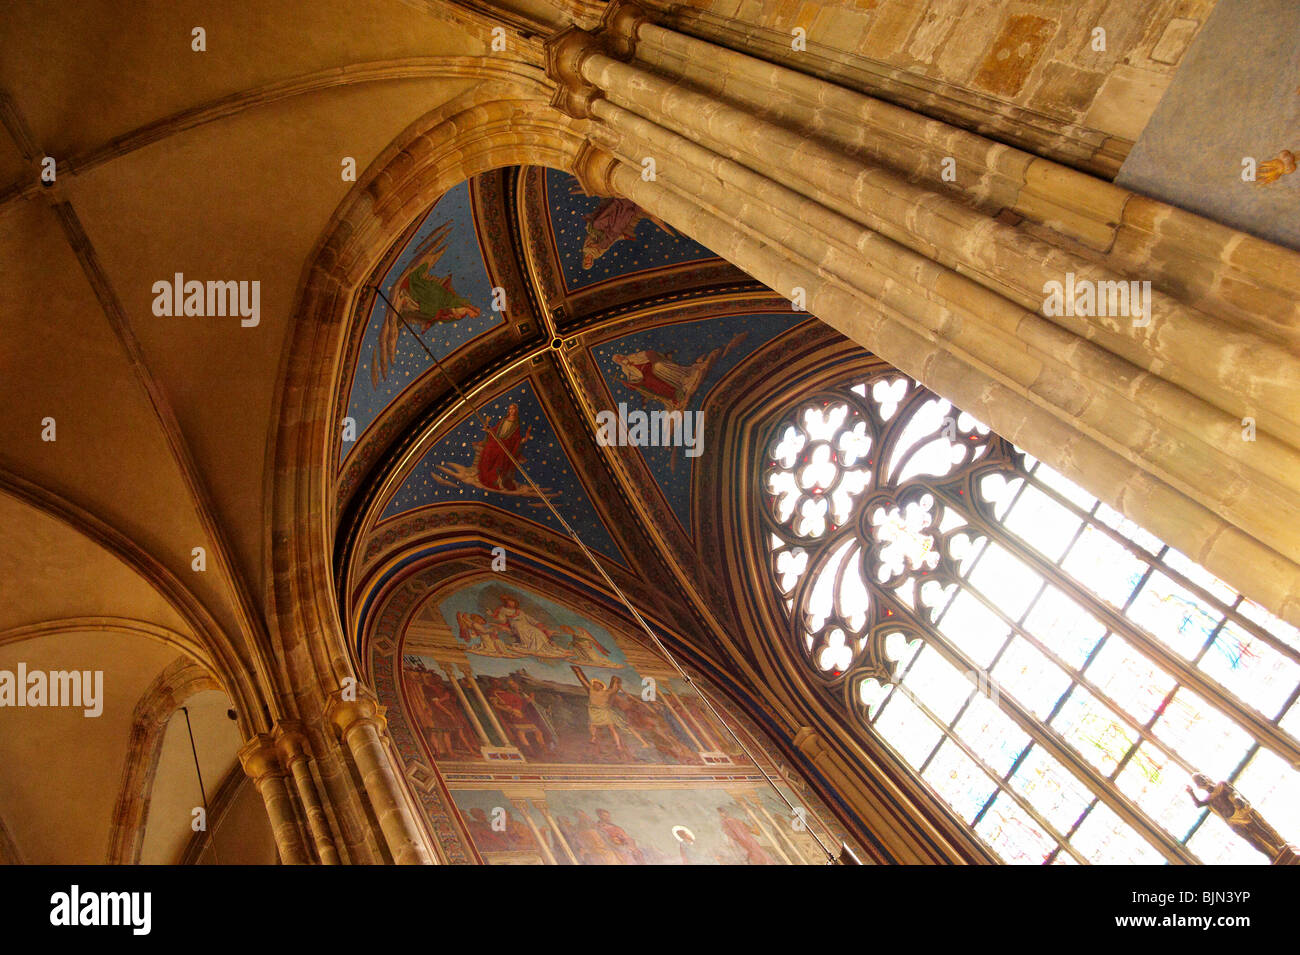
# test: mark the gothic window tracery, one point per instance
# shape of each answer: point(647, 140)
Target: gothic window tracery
point(1053, 672)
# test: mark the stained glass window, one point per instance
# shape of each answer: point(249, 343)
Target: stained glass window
point(1051, 671)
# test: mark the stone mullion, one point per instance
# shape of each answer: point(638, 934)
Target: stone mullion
point(1253, 375)
point(1158, 426)
point(1259, 728)
point(1221, 548)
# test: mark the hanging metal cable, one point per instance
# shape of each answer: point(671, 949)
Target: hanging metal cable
point(845, 856)
point(207, 814)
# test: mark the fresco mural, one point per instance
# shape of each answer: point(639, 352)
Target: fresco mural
point(470, 465)
point(562, 743)
point(672, 368)
point(440, 285)
point(546, 685)
point(711, 825)
point(1236, 94)
point(601, 237)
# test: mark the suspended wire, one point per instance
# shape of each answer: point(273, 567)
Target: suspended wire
point(207, 813)
point(618, 591)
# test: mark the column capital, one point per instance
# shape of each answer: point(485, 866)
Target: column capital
point(259, 758)
point(565, 53)
point(620, 25)
point(594, 166)
point(345, 714)
point(290, 740)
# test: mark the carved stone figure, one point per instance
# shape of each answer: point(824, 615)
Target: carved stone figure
point(1238, 813)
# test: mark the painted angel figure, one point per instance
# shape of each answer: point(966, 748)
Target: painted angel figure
point(496, 469)
point(474, 627)
point(531, 638)
point(658, 377)
point(422, 299)
point(584, 648)
point(614, 219)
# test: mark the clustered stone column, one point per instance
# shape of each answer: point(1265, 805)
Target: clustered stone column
point(360, 723)
point(309, 825)
point(262, 764)
point(291, 744)
point(1184, 416)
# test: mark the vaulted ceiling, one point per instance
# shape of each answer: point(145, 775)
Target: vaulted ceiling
point(581, 283)
point(231, 162)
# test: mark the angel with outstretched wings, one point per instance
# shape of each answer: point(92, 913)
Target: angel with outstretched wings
point(421, 299)
point(614, 219)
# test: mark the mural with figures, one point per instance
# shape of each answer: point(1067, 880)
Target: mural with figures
point(440, 286)
point(601, 237)
point(672, 368)
point(468, 464)
point(564, 743)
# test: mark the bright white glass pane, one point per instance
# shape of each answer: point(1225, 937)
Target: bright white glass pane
point(821, 601)
point(1214, 843)
point(991, 734)
point(1251, 670)
point(1278, 628)
point(1064, 627)
point(1291, 722)
point(1000, 491)
point(1201, 734)
point(1174, 615)
point(1129, 679)
point(937, 684)
point(1030, 677)
point(887, 394)
point(1013, 833)
point(873, 694)
point(974, 629)
point(854, 597)
point(935, 458)
point(1133, 532)
point(1094, 730)
point(1042, 523)
point(1159, 787)
point(926, 419)
point(1005, 580)
point(1199, 575)
point(1105, 567)
point(959, 780)
point(1051, 789)
point(822, 423)
point(903, 726)
point(1065, 487)
point(1105, 839)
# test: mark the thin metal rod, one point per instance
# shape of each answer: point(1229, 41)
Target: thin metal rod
point(207, 814)
point(618, 591)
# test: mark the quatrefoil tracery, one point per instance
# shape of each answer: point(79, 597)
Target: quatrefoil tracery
point(867, 491)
